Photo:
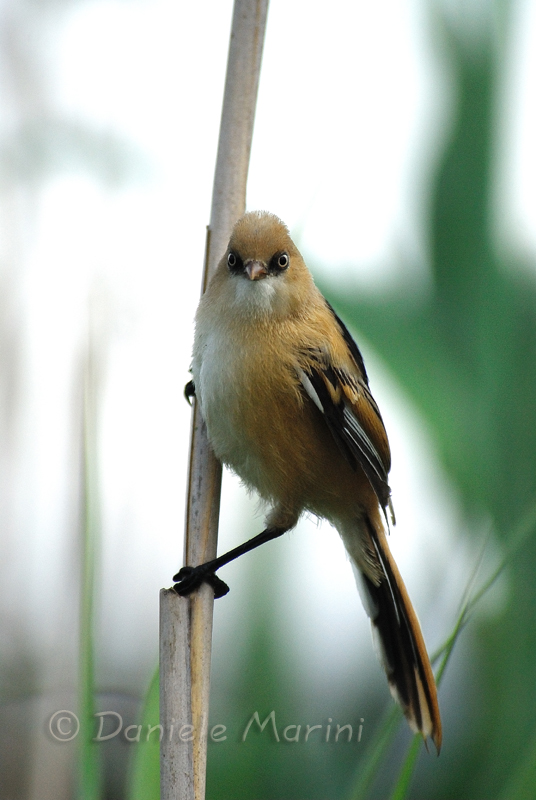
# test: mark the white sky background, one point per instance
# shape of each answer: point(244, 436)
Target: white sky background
point(353, 106)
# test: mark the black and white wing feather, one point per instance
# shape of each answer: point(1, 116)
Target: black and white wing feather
point(342, 394)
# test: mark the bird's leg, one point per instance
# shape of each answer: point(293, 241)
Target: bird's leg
point(191, 578)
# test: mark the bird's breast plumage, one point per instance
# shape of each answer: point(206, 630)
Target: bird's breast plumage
point(244, 389)
point(260, 421)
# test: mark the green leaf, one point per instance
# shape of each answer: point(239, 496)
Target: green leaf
point(144, 767)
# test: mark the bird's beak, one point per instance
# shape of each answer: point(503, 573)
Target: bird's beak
point(256, 270)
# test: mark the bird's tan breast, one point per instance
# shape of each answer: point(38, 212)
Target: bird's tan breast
point(261, 423)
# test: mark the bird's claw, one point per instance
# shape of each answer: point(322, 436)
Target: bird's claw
point(191, 578)
point(189, 392)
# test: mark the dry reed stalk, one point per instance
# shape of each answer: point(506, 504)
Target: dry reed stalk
point(186, 622)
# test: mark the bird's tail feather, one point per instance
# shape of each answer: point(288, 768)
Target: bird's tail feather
point(402, 648)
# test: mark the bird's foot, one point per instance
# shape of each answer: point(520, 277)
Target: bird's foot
point(191, 578)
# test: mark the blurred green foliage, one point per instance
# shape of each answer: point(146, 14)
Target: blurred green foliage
point(89, 777)
point(464, 350)
point(144, 772)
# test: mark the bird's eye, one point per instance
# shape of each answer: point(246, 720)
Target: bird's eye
point(231, 260)
point(283, 261)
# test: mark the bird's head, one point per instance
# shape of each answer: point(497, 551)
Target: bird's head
point(265, 268)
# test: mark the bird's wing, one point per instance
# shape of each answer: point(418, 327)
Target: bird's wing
point(342, 394)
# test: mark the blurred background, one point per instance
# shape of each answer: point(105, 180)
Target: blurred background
point(397, 142)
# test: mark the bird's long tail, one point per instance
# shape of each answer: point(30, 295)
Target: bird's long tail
point(402, 648)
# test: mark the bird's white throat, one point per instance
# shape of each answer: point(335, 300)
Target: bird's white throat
point(257, 297)
point(267, 297)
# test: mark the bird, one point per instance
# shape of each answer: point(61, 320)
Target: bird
point(285, 397)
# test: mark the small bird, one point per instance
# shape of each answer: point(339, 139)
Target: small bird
point(285, 397)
